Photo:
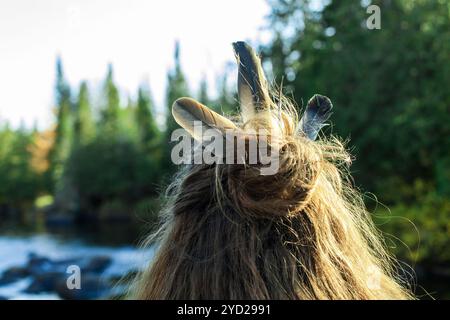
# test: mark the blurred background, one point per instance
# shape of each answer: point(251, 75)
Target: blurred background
point(86, 89)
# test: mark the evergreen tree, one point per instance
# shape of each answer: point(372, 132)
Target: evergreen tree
point(19, 183)
point(84, 127)
point(176, 88)
point(131, 106)
point(110, 115)
point(63, 132)
point(128, 120)
point(6, 144)
point(148, 130)
point(225, 97)
point(203, 92)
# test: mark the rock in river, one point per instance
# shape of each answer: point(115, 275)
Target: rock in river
point(13, 274)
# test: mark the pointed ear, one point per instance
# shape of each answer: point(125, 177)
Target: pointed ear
point(252, 84)
point(318, 110)
point(187, 111)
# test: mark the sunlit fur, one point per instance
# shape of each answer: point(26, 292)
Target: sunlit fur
point(304, 233)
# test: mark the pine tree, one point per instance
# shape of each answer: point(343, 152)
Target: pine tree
point(225, 97)
point(110, 114)
point(63, 132)
point(203, 92)
point(148, 130)
point(128, 120)
point(177, 87)
point(84, 128)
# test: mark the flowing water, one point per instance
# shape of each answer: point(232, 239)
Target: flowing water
point(118, 242)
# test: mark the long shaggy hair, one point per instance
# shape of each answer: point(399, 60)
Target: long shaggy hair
point(229, 232)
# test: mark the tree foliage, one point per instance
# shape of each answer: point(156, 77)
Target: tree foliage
point(63, 133)
point(176, 88)
point(389, 88)
point(84, 126)
point(110, 113)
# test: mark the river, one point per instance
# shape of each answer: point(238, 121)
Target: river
point(119, 244)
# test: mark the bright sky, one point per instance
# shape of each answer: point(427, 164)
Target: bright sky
point(137, 36)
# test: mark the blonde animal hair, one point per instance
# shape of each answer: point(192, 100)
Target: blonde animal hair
point(229, 232)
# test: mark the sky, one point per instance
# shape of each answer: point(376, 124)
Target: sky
point(136, 36)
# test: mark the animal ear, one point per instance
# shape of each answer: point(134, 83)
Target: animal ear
point(318, 110)
point(187, 111)
point(252, 84)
